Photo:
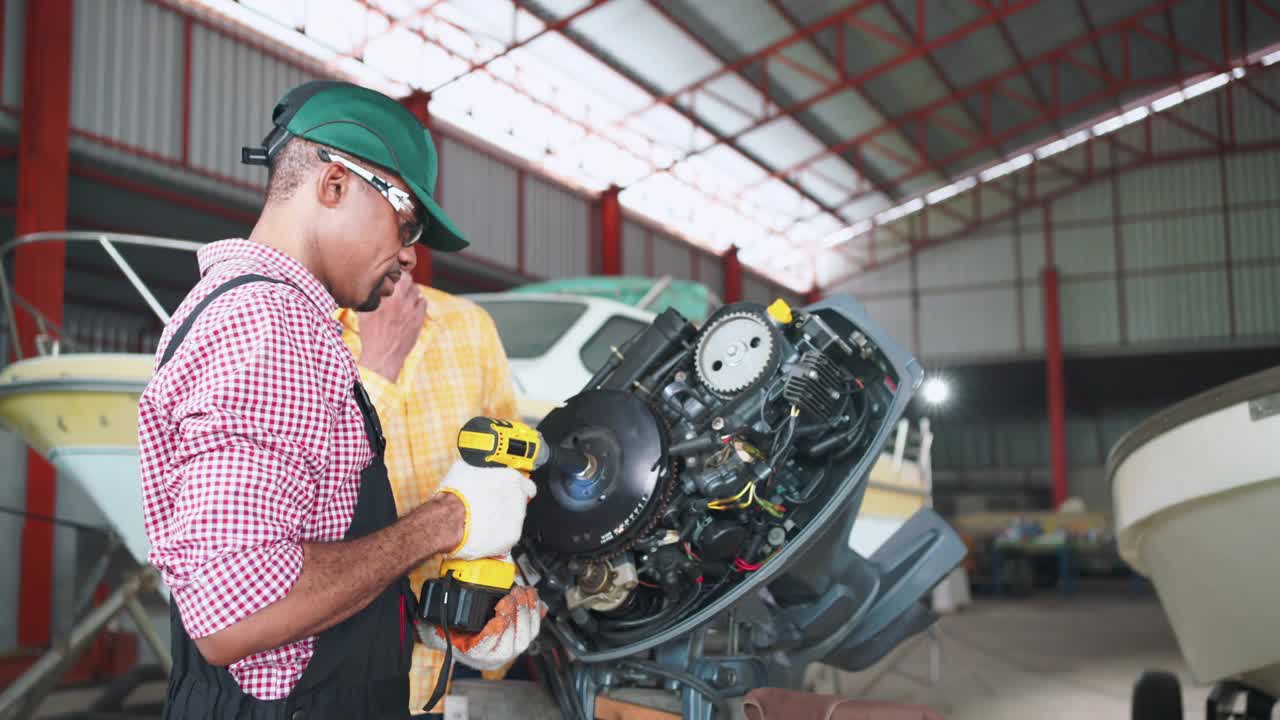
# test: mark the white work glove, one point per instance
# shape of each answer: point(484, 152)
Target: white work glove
point(495, 499)
point(516, 621)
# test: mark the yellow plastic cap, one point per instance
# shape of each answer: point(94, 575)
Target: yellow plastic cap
point(780, 311)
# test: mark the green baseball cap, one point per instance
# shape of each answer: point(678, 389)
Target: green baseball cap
point(370, 126)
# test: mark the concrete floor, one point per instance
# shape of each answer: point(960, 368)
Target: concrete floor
point(1045, 657)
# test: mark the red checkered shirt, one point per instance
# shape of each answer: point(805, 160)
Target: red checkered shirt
point(251, 444)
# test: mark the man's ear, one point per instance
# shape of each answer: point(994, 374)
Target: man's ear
point(331, 184)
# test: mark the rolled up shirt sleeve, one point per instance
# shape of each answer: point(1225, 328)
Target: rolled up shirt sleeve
point(251, 439)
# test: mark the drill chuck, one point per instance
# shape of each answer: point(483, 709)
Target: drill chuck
point(486, 442)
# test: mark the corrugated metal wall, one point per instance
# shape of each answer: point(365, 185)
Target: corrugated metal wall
point(13, 460)
point(233, 90)
point(710, 272)
point(1150, 260)
point(130, 96)
point(671, 257)
point(556, 228)
point(127, 83)
point(1179, 247)
point(760, 290)
point(635, 248)
point(473, 185)
point(1013, 453)
point(15, 13)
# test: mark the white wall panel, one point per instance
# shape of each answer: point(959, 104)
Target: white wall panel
point(1031, 252)
point(894, 317)
point(1088, 249)
point(1254, 288)
point(983, 259)
point(555, 231)
point(1190, 184)
point(1175, 241)
point(479, 193)
point(127, 80)
point(1252, 177)
point(1255, 234)
point(15, 21)
point(980, 322)
point(234, 88)
point(755, 289)
point(1089, 312)
point(1033, 316)
point(711, 272)
point(634, 237)
point(759, 290)
point(671, 257)
point(1093, 202)
point(891, 279)
point(1176, 307)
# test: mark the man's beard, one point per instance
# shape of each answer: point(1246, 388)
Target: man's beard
point(372, 302)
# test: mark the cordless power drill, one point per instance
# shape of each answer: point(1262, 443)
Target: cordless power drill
point(464, 596)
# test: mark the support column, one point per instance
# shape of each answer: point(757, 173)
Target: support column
point(610, 232)
point(1054, 381)
point(39, 269)
point(732, 275)
point(418, 103)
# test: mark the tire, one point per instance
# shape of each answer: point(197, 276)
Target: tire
point(1157, 695)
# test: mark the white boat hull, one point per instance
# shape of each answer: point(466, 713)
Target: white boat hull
point(1197, 497)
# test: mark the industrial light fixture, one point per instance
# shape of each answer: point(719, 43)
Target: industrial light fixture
point(935, 391)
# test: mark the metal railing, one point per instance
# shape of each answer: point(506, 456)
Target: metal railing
point(909, 444)
point(51, 336)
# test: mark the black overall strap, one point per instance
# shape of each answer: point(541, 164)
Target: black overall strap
point(181, 333)
point(360, 667)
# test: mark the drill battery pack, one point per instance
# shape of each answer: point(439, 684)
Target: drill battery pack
point(466, 593)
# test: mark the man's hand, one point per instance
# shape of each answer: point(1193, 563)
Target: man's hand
point(495, 500)
point(389, 333)
point(516, 621)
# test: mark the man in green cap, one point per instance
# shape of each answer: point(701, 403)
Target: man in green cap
point(265, 495)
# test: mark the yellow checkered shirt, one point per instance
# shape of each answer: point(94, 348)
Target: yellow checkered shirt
point(456, 371)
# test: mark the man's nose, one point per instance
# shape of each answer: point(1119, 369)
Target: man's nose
point(408, 257)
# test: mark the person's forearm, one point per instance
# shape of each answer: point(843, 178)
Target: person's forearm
point(339, 579)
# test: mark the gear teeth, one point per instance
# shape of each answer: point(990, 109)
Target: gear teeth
point(667, 493)
point(726, 391)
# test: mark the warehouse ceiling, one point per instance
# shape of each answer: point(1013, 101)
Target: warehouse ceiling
point(784, 127)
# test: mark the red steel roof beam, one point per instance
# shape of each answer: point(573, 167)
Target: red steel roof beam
point(762, 88)
point(556, 26)
point(933, 64)
point(839, 65)
point(551, 107)
point(769, 50)
point(1023, 127)
point(867, 75)
point(991, 85)
point(1092, 175)
point(717, 136)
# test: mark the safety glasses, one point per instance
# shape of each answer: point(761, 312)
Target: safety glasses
point(412, 222)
